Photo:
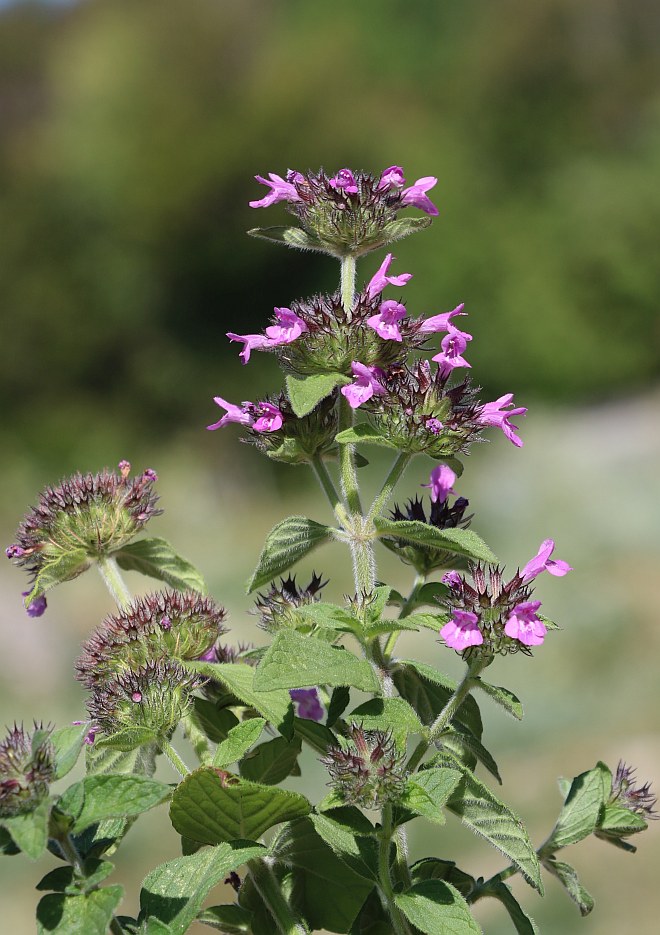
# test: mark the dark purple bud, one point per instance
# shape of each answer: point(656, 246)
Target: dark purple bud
point(136, 697)
point(14, 551)
point(36, 607)
point(165, 623)
point(150, 474)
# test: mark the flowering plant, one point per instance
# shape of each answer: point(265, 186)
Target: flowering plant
point(359, 370)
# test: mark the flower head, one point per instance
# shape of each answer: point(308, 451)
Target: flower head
point(416, 195)
point(462, 631)
point(385, 322)
point(425, 558)
point(524, 625)
point(307, 700)
point(366, 384)
point(441, 480)
point(380, 279)
point(368, 770)
point(543, 562)
point(277, 607)
point(279, 191)
point(498, 413)
point(346, 181)
point(27, 765)
point(628, 794)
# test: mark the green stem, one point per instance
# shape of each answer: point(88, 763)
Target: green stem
point(399, 924)
point(115, 927)
point(399, 466)
point(327, 485)
point(114, 582)
point(269, 889)
point(348, 270)
point(70, 852)
point(406, 608)
point(459, 695)
point(349, 479)
point(174, 758)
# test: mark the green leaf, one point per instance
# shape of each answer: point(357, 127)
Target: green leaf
point(435, 907)
point(466, 740)
point(457, 541)
point(432, 868)
point(428, 691)
point(238, 677)
point(364, 434)
point(318, 736)
point(333, 892)
point(287, 543)
point(523, 924)
point(156, 558)
point(215, 722)
point(568, 877)
point(271, 762)
point(339, 701)
point(484, 814)
point(174, 892)
point(8, 847)
point(358, 851)
point(67, 743)
point(503, 697)
point(211, 806)
point(617, 821)
point(55, 571)
point(30, 831)
point(96, 798)
point(403, 227)
point(389, 714)
point(100, 759)
point(331, 616)
point(239, 739)
point(127, 739)
point(78, 915)
point(289, 237)
point(427, 791)
point(429, 593)
point(295, 661)
point(155, 927)
point(229, 919)
point(306, 392)
point(67, 880)
point(583, 807)
point(428, 621)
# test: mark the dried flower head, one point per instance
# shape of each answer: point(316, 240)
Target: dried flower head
point(277, 607)
point(80, 520)
point(367, 769)
point(27, 765)
point(154, 628)
point(423, 558)
point(155, 696)
point(349, 213)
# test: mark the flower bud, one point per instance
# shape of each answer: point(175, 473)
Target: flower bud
point(629, 807)
point(27, 765)
point(152, 629)
point(277, 607)
point(366, 770)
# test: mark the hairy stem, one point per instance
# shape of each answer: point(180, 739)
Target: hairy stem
point(348, 270)
point(399, 923)
point(269, 889)
point(349, 480)
point(399, 466)
point(174, 758)
point(114, 582)
point(459, 695)
point(327, 485)
point(406, 609)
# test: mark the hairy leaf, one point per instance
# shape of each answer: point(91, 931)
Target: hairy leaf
point(583, 806)
point(271, 762)
point(287, 543)
point(388, 714)
point(289, 237)
point(568, 877)
point(426, 792)
point(156, 558)
point(55, 571)
point(296, 661)
point(523, 924)
point(29, 832)
point(503, 697)
point(228, 919)
point(239, 739)
point(435, 907)
point(67, 743)
point(78, 915)
point(457, 541)
point(365, 434)
point(110, 796)
point(428, 691)
point(306, 392)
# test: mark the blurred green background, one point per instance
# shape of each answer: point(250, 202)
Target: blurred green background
point(129, 137)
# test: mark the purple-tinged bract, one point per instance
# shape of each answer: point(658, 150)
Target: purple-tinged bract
point(27, 766)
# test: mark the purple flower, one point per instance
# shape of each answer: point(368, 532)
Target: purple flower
point(91, 733)
point(291, 327)
point(14, 551)
point(270, 418)
point(380, 279)
point(434, 426)
point(233, 414)
point(345, 180)
point(279, 191)
point(385, 322)
point(452, 579)
point(390, 178)
point(36, 607)
point(462, 631)
point(252, 342)
point(366, 384)
point(494, 414)
point(416, 195)
point(309, 706)
point(441, 322)
point(441, 480)
point(453, 345)
point(524, 625)
point(543, 562)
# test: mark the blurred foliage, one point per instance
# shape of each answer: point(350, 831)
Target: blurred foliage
point(130, 132)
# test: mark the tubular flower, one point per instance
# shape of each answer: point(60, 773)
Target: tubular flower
point(251, 342)
point(366, 384)
point(307, 700)
point(417, 197)
point(462, 631)
point(391, 177)
point(498, 413)
point(441, 480)
point(385, 322)
point(453, 345)
point(262, 417)
point(290, 327)
point(380, 279)
point(440, 322)
point(543, 562)
point(345, 180)
point(524, 625)
point(233, 413)
point(299, 438)
point(279, 191)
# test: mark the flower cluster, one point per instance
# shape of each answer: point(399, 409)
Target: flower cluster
point(84, 518)
point(277, 607)
point(494, 615)
point(149, 639)
point(367, 770)
point(27, 765)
